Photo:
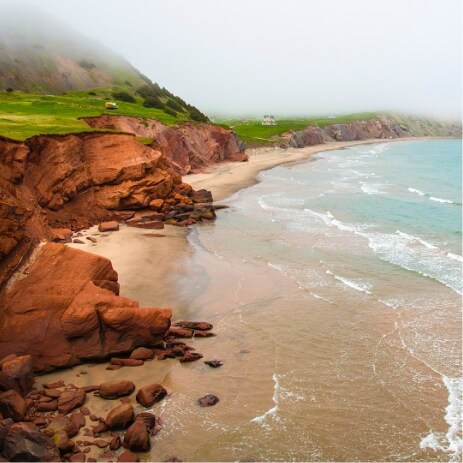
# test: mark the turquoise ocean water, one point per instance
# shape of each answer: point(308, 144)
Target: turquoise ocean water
point(362, 318)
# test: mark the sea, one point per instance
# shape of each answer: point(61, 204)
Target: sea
point(335, 290)
point(335, 287)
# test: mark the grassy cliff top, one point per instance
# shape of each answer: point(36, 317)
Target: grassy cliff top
point(23, 115)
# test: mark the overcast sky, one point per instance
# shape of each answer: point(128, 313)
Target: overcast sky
point(286, 57)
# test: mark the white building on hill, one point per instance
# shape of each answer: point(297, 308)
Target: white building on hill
point(269, 120)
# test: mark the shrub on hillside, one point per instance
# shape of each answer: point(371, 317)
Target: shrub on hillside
point(153, 102)
point(174, 105)
point(123, 96)
point(170, 111)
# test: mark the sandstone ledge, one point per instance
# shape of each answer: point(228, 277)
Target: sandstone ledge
point(66, 310)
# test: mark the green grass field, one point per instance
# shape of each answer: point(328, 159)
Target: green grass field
point(23, 115)
point(255, 134)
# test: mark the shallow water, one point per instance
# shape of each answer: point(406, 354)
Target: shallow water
point(335, 290)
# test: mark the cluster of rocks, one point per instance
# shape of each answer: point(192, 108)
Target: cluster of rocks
point(54, 423)
point(179, 210)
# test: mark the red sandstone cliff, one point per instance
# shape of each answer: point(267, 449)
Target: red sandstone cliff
point(189, 146)
point(63, 307)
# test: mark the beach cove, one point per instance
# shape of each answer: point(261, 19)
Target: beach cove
point(294, 380)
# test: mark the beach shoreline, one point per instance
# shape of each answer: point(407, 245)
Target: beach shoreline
point(227, 178)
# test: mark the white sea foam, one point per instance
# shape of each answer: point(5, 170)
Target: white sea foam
point(261, 419)
point(418, 239)
point(415, 190)
point(455, 256)
point(316, 296)
point(370, 189)
point(362, 286)
point(452, 441)
point(429, 260)
point(440, 200)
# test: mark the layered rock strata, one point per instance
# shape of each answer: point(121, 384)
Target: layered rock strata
point(189, 146)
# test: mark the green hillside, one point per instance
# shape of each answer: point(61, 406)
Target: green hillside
point(50, 75)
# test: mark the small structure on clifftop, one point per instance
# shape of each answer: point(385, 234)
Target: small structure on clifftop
point(110, 105)
point(269, 120)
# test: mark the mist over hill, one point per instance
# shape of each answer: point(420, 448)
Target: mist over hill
point(40, 54)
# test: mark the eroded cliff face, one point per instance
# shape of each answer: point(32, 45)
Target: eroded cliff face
point(361, 130)
point(381, 127)
point(58, 304)
point(189, 146)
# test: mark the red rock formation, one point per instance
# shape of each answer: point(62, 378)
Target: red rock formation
point(66, 310)
point(190, 146)
point(50, 184)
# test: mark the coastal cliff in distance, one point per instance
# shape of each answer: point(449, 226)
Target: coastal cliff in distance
point(382, 127)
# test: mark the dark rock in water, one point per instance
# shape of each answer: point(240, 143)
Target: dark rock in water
point(137, 437)
point(116, 389)
point(128, 457)
point(208, 400)
point(120, 417)
point(204, 326)
point(93, 240)
point(191, 357)
point(142, 353)
point(17, 373)
point(173, 459)
point(214, 363)
point(12, 405)
point(69, 400)
point(77, 241)
point(149, 395)
point(25, 442)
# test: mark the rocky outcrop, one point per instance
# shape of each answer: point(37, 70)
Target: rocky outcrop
point(50, 185)
point(65, 309)
point(189, 146)
point(359, 130)
point(382, 127)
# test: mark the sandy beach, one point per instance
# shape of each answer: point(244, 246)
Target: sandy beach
point(227, 178)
